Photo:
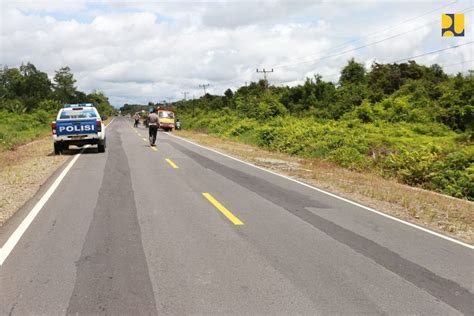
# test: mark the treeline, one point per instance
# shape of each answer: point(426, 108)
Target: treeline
point(27, 89)
point(406, 121)
point(133, 108)
point(29, 101)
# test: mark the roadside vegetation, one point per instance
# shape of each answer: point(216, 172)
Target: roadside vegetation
point(29, 101)
point(407, 122)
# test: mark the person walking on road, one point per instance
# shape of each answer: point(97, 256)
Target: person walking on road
point(136, 117)
point(152, 126)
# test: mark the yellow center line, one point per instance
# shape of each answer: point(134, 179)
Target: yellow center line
point(223, 210)
point(144, 139)
point(154, 148)
point(139, 134)
point(172, 164)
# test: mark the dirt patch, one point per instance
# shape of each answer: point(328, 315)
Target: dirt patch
point(23, 171)
point(441, 213)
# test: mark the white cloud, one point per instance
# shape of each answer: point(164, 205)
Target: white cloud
point(45, 5)
point(147, 51)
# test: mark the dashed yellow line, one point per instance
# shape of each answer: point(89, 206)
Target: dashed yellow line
point(172, 164)
point(145, 140)
point(234, 219)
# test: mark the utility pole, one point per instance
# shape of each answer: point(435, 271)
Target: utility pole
point(185, 93)
point(264, 71)
point(204, 86)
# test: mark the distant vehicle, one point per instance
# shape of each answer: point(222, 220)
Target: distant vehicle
point(178, 124)
point(79, 125)
point(166, 119)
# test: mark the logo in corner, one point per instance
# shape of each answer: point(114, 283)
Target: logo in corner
point(452, 24)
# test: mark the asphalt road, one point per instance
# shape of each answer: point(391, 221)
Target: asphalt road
point(184, 230)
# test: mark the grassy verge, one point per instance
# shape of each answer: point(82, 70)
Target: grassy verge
point(19, 129)
point(445, 214)
point(426, 155)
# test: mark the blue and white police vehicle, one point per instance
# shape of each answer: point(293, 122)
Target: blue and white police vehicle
point(79, 125)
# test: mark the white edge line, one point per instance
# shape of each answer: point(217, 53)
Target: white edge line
point(334, 196)
point(21, 229)
point(110, 122)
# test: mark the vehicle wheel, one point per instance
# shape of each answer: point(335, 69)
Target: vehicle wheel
point(101, 146)
point(65, 147)
point(57, 149)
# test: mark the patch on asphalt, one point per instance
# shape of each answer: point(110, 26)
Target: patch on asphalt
point(112, 272)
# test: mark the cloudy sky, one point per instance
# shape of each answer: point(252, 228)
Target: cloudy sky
point(140, 51)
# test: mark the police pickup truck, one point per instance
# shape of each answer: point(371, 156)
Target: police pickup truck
point(79, 125)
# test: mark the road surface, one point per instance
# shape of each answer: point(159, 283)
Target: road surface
point(184, 230)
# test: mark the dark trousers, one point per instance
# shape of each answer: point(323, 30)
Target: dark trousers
point(152, 130)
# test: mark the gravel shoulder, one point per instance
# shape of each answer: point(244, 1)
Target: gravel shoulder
point(440, 213)
point(23, 171)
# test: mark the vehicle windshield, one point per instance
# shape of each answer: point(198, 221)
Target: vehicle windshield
point(77, 114)
point(166, 114)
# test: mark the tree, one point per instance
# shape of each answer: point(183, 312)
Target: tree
point(101, 102)
point(64, 88)
point(36, 84)
point(228, 94)
point(353, 72)
point(11, 83)
point(228, 98)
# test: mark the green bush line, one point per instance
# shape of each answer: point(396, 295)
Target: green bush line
point(18, 129)
point(427, 155)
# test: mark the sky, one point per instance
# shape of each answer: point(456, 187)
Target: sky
point(141, 51)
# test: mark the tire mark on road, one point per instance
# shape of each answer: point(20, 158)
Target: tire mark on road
point(112, 272)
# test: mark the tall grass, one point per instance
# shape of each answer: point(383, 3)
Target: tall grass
point(427, 155)
point(17, 129)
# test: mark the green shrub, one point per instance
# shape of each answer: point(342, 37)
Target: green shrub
point(13, 106)
point(411, 167)
point(17, 129)
point(421, 154)
point(454, 174)
point(51, 106)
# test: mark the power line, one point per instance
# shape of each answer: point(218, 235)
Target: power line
point(432, 52)
point(384, 30)
point(468, 9)
point(421, 55)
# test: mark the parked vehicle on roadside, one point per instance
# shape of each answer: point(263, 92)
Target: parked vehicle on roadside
point(166, 119)
point(178, 124)
point(79, 125)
